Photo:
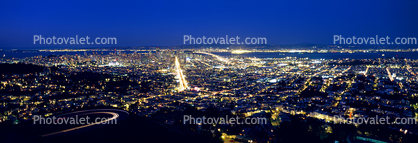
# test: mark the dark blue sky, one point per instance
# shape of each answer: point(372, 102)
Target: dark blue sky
point(149, 23)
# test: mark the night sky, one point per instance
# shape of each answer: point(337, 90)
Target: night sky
point(163, 23)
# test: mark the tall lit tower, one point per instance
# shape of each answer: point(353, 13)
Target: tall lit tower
point(158, 49)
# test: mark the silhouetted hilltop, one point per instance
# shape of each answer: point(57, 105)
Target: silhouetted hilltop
point(20, 68)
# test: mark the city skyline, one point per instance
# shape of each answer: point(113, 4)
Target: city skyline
point(209, 71)
point(316, 98)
